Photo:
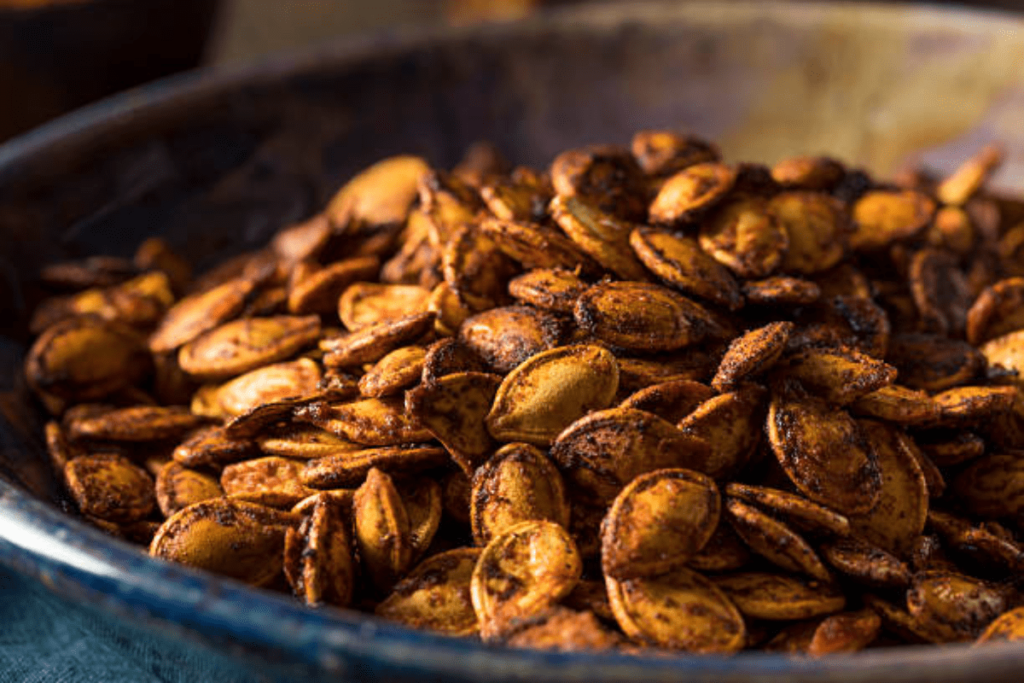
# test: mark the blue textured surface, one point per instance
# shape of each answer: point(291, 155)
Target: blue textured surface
point(46, 639)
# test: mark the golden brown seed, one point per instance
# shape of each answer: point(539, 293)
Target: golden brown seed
point(518, 484)
point(506, 337)
point(898, 517)
point(522, 199)
point(779, 596)
point(380, 194)
point(793, 509)
point(680, 610)
point(970, 404)
point(110, 487)
point(679, 262)
point(318, 559)
point(396, 371)
point(817, 228)
point(774, 540)
point(846, 632)
point(781, 290)
point(435, 595)
point(989, 543)
point(212, 448)
point(898, 404)
point(808, 173)
point(884, 216)
point(866, 563)
point(343, 497)
point(694, 364)
point(662, 152)
point(1006, 352)
point(997, 311)
point(270, 481)
point(604, 451)
point(641, 316)
point(898, 621)
point(691, 192)
point(370, 303)
point(541, 397)
point(1008, 627)
point(522, 572)
point(992, 486)
point(839, 375)
point(476, 269)
point(244, 345)
point(745, 237)
point(821, 450)
point(658, 522)
point(969, 177)
point(268, 384)
point(671, 401)
point(369, 421)
point(233, 538)
point(317, 289)
point(604, 174)
point(85, 358)
point(265, 416)
point(940, 291)
point(351, 467)
point(952, 229)
point(137, 423)
point(537, 246)
point(177, 487)
point(952, 606)
point(552, 289)
point(199, 313)
point(752, 354)
point(453, 410)
point(371, 343)
point(302, 241)
point(382, 530)
point(731, 426)
point(600, 235)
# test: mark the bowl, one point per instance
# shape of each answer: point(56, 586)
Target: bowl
point(214, 162)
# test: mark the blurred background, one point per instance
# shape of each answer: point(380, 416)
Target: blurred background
point(56, 55)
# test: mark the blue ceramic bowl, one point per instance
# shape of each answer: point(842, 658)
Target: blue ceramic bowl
point(215, 161)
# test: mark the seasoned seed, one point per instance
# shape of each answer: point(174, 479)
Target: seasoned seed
point(240, 540)
point(244, 345)
point(643, 317)
point(372, 342)
point(821, 449)
point(350, 467)
point(952, 606)
point(537, 246)
point(776, 597)
point(476, 269)
point(552, 289)
point(367, 303)
point(177, 487)
point(731, 426)
point(817, 228)
point(752, 354)
point(671, 401)
point(212, 448)
point(724, 552)
point(199, 313)
point(268, 384)
point(898, 404)
point(137, 423)
point(435, 595)
point(604, 451)
point(506, 337)
point(992, 486)
point(957, 188)
point(662, 152)
point(1008, 627)
point(383, 532)
point(380, 194)
point(318, 289)
point(691, 192)
point(885, 216)
point(396, 371)
point(745, 237)
point(548, 392)
point(680, 610)
point(839, 376)
point(605, 174)
point(658, 522)
point(448, 356)
point(866, 563)
point(369, 421)
point(318, 559)
point(679, 262)
point(793, 509)
point(522, 572)
point(270, 481)
point(110, 487)
point(934, 363)
point(518, 484)
point(808, 173)
point(774, 540)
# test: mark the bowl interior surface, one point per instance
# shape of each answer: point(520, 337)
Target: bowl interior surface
point(216, 162)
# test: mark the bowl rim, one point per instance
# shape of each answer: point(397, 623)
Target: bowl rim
point(81, 563)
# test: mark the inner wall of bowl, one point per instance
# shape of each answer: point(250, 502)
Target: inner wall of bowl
point(217, 168)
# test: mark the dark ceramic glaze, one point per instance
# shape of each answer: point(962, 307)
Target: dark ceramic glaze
point(217, 161)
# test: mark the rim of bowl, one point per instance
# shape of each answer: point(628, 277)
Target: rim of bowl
point(80, 562)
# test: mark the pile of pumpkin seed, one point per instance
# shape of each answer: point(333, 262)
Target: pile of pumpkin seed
point(642, 400)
